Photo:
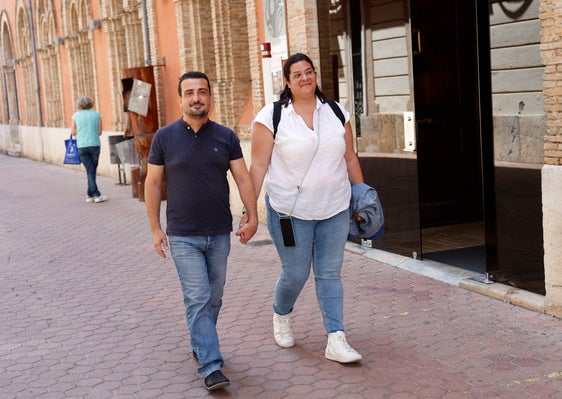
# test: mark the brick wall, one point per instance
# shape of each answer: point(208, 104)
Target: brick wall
point(302, 27)
point(551, 53)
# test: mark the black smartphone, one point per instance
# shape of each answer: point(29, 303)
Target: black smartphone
point(287, 231)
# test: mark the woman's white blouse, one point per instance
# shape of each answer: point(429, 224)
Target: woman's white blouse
point(325, 190)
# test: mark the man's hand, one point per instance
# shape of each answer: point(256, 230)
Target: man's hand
point(358, 218)
point(160, 243)
point(243, 220)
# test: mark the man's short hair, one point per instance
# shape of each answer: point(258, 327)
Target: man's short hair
point(193, 75)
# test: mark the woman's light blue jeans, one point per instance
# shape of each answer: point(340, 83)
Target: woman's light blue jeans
point(201, 265)
point(320, 244)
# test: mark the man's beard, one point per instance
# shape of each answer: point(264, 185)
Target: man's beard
point(199, 113)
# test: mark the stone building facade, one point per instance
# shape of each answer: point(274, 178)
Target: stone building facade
point(367, 56)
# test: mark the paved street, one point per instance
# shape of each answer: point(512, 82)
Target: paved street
point(88, 310)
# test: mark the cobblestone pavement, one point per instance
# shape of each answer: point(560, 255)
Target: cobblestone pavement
point(88, 310)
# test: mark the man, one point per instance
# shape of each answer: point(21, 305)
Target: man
point(194, 154)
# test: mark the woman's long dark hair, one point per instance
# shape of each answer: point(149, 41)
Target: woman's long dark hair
point(285, 97)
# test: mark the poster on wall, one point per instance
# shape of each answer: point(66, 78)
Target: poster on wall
point(275, 27)
point(276, 35)
point(272, 78)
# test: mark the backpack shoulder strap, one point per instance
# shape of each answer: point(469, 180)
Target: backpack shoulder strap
point(336, 110)
point(277, 114)
point(276, 117)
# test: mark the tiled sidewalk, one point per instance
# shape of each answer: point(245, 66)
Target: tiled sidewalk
point(87, 310)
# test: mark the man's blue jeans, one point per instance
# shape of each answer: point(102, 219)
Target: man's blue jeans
point(201, 265)
point(89, 156)
point(320, 243)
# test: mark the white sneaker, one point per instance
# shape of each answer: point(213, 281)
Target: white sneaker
point(339, 350)
point(89, 199)
point(282, 331)
point(100, 198)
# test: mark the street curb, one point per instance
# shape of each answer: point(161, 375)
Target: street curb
point(515, 296)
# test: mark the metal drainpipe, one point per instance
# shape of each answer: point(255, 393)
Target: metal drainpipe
point(146, 35)
point(34, 49)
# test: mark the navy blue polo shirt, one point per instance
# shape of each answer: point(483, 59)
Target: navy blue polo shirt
point(196, 168)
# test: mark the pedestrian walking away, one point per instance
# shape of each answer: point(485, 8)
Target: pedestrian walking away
point(193, 155)
point(306, 164)
point(87, 127)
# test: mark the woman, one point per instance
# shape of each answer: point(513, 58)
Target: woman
point(87, 127)
point(307, 170)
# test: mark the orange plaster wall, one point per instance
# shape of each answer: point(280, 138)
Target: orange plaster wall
point(248, 112)
point(102, 70)
point(10, 7)
point(168, 50)
point(104, 99)
point(167, 53)
point(259, 12)
point(69, 102)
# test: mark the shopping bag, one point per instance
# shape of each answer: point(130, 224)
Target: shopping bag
point(71, 154)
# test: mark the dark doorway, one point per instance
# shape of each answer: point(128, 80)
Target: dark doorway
point(449, 145)
point(357, 62)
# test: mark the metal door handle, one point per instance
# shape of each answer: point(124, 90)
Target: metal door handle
point(416, 41)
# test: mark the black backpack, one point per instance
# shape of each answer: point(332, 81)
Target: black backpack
point(277, 114)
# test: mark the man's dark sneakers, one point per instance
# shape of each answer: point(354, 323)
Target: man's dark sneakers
point(216, 380)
